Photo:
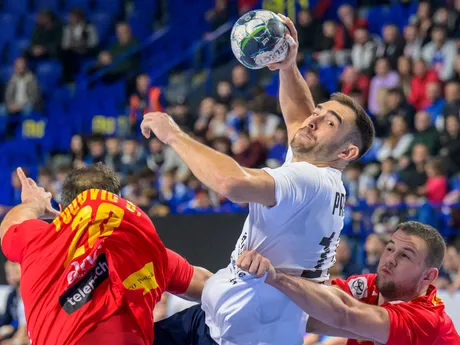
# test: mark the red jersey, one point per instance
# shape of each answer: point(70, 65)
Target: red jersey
point(101, 256)
point(421, 321)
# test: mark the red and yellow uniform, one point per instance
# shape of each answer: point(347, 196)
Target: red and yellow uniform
point(421, 321)
point(100, 262)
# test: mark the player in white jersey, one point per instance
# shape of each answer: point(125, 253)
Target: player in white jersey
point(295, 214)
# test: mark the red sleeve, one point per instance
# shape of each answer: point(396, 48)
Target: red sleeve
point(17, 238)
point(412, 324)
point(360, 287)
point(180, 273)
point(342, 284)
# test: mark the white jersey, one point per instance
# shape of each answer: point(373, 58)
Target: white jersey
point(300, 235)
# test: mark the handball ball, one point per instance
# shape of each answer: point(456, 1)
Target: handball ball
point(258, 39)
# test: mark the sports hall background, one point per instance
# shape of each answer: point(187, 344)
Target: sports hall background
point(77, 75)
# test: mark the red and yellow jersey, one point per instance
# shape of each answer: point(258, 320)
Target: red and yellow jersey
point(101, 254)
point(421, 321)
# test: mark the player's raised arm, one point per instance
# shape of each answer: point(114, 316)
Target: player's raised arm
point(217, 171)
point(295, 97)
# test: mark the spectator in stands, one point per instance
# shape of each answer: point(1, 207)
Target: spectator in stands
point(22, 91)
point(412, 173)
point(390, 215)
point(345, 265)
point(222, 144)
point(374, 247)
point(308, 29)
point(125, 43)
point(173, 162)
point(113, 154)
point(45, 180)
point(423, 20)
point(248, 154)
point(78, 150)
point(277, 148)
point(456, 76)
point(405, 74)
point(155, 156)
point(436, 186)
point(200, 204)
point(240, 81)
point(450, 271)
point(131, 159)
point(96, 150)
point(397, 144)
point(386, 182)
point(384, 78)
point(79, 41)
point(435, 103)
point(237, 119)
point(46, 39)
point(363, 51)
point(450, 143)
point(445, 17)
point(395, 104)
point(422, 76)
point(224, 93)
point(440, 53)
point(452, 95)
point(350, 20)
point(218, 124)
point(393, 45)
point(181, 113)
point(217, 16)
point(425, 133)
point(413, 46)
point(352, 182)
point(172, 193)
point(350, 80)
point(332, 46)
point(318, 91)
point(9, 319)
point(261, 124)
point(20, 337)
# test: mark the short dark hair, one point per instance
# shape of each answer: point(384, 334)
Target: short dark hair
point(97, 176)
point(364, 134)
point(433, 239)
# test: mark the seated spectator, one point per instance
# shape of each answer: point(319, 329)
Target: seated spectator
point(391, 214)
point(422, 19)
point(22, 91)
point(79, 41)
point(182, 115)
point(132, 160)
point(237, 119)
point(449, 277)
point(447, 18)
point(308, 29)
point(426, 133)
point(205, 114)
point(318, 91)
point(392, 46)
point(145, 98)
point(224, 93)
point(412, 173)
point(78, 150)
point(422, 77)
point(277, 148)
point(46, 39)
point(384, 78)
point(125, 43)
point(440, 53)
point(173, 193)
point(332, 46)
point(363, 51)
point(395, 104)
point(218, 124)
point(222, 144)
point(350, 21)
point(436, 186)
point(155, 156)
point(261, 124)
point(248, 154)
point(362, 215)
point(405, 74)
point(387, 179)
point(200, 204)
point(345, 265)
point(96, 150)
point(374, 247)
point(452, 105)
point(435, 103)
point(113, 154)
point(9, 320)
point(397, 144)
point(350, 79)
point(413, 45)
point(450, 145)
point(240, 82)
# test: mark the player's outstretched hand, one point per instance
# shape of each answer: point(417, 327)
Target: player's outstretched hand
point(293, 42)
point(31, 193)
point(256, 264)
point(162, 126)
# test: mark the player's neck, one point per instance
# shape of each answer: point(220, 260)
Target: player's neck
point(402, 298)
point(339, 165)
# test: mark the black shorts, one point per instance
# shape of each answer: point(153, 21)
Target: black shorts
point(187, 327)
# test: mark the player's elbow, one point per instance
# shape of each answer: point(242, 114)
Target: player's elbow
point(234, 188)
point(195, 289)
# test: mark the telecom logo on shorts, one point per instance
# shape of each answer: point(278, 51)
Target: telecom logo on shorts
point(82, 292)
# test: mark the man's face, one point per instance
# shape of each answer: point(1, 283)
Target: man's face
point(410, 33)
point(402, 267)
point(361, 36)
point(422, 121)
point(452, 92)
point(390, 32)
point(13, 274)
point(451, 261)
point(322, 135)
point(438, 36)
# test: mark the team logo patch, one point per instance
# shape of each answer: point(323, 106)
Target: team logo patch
point(82, 292)
point(358, 287)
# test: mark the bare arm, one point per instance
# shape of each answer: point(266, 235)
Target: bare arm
point(217, 171)
point(295, 97)
point(317, 327)
point(195, 289)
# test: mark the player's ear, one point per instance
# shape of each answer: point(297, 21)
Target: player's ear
point(431, 274)
point(351, 152)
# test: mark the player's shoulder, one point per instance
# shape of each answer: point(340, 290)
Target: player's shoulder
point(361, 287)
